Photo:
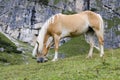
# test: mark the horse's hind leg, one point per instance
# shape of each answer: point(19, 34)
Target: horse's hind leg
point(101, 42)
point(91, 42)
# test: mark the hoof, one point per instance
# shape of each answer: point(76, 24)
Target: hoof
point(88, 57)
point(54, 60)
point(101, 55)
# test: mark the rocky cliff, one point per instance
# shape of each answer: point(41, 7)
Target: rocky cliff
point(110, 11)
point(22, 19)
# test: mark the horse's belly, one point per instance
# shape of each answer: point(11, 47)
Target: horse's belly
point(79, 31)
point(76, 31)
point(65, 32)
point(83, 29)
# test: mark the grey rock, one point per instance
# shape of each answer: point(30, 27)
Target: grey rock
point(2, 49)
point(22, 19)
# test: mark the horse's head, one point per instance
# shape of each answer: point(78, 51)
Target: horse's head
point(41, 55)
point(43, 41)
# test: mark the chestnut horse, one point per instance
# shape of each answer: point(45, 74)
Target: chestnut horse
point(60, 26)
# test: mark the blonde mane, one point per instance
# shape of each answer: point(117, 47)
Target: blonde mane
point(43, 31)
point(41, 35)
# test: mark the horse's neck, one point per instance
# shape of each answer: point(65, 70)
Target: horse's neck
point(40, 39)
point(43, 31)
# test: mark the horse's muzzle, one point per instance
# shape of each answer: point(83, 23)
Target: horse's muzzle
point(41, 60)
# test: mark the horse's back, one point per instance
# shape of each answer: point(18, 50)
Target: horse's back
point(76, 23)
point(74, 20)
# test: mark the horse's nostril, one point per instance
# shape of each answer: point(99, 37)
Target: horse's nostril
point(40, 60)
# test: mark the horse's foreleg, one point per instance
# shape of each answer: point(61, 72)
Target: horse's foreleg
point(56, 40)
point(46, 41)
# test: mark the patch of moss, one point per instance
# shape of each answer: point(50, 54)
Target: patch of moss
point(93, 9)
point(117, 32)
point(68, 12)
point(57, 1)
point(113, 22)
point(9, 46)
point(10, 54)
point(116, 20)
point(117, 9)
point(44, 2)
point(10, 59)
point(110, 23)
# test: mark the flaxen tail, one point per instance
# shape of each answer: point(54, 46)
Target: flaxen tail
point(101, 25)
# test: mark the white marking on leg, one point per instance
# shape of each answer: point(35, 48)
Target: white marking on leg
point(55, 57)
point(90, 51)
point(97, 48)
point(101, 51)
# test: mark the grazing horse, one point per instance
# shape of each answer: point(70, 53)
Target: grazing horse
point(60, 26)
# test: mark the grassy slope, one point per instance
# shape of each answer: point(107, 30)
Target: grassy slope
point(10, 54)
point(74, 67)
point(7, 44)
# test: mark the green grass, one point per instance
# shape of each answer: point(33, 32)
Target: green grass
point(74, 66)
point(7, 44)
point(10, 54)
point(76, 46)
point(57, 1)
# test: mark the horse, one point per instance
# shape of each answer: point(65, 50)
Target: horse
point(60, 25)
